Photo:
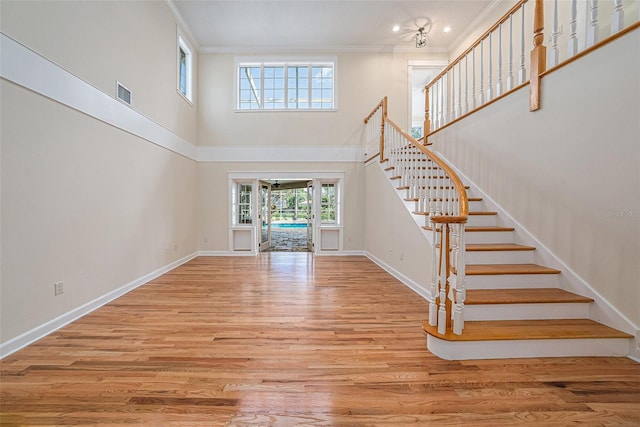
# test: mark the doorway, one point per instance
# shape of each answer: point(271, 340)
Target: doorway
point(304, 209)
point(286, 217)
point(419, 74)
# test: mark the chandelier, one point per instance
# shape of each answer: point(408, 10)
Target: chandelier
point(421, 38)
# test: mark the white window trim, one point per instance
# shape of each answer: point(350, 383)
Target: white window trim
point(182, 45)
point(283, 62)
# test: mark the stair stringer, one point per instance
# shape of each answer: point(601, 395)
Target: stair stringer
point(601, 310)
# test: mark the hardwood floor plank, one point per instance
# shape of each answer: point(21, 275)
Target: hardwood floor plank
point(290, 339)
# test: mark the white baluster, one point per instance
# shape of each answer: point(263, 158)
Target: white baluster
point(436, 115)
point(460, 88)
point(445, 98)
point(466, 83)
point(522, 72)
point(617, 20)
point(433, 308)
point(442, 310)
point(453, 93)
point(460, 295)
point(573, 26)
point(490, 76)
point(510, 72)
point(441, 102)
point(481, 92)
point(499, 84)
point(473, 79)
point(592, 31)
point(554, 55)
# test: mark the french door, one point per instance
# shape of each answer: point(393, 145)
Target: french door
point(265, 215)
point(310, 217)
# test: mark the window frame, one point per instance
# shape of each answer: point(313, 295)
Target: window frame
point(183, 47)
point(331, 206)
point(242, 210)
point(285, 64)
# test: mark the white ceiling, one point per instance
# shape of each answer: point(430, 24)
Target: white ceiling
point(326, 25)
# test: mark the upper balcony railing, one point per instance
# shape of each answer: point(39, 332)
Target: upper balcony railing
point(512, 53)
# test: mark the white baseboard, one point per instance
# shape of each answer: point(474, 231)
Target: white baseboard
point(45, 329)
point(414, 286)
point(251, 253)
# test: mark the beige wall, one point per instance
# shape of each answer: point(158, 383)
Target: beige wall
point(85, 202)
point(214, 209)
point(570, 172)
point(391, 234)
point(134, 42)
point(363, 79)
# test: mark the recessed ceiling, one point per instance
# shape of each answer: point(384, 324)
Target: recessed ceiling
point(329, 25)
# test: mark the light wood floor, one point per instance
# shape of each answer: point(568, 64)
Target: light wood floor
point(288, 339)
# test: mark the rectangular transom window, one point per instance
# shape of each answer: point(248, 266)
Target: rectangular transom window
point(286, 85)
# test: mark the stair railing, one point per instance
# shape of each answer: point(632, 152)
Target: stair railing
point(438, 192)
point(374, 131)
point(497, 63)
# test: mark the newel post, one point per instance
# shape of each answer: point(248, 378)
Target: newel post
point(382, 124)
point(427, 121)
point(538, 55)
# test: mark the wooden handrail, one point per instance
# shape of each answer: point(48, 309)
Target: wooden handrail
point(382, 104)
point(457, 182)
point(477, 42)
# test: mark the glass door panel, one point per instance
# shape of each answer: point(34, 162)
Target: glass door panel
point(310, 216)
point(265, 215)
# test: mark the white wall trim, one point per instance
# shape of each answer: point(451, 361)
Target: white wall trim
point(45, 329)
point(342, 154)
point(414, 286)
point(26, 68)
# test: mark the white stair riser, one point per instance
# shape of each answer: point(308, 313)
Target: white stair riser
point(476, 206)
point(483, 220)
point(473, 350)
point(499, 257)
point(415, 206)
point(489, 236)
point(526, 311)
point(512, 281)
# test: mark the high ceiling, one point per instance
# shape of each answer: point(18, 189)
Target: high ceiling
point(329, 25)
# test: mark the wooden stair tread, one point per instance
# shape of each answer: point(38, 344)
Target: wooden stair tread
point(483, 213)
point(523, 296)
point(489, 247)
point(494, 269)
point(480, 228)
point(499, 330)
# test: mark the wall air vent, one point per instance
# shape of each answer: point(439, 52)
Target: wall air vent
point(122, 93)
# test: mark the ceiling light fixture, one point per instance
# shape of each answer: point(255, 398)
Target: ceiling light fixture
point(421, 37)
point(395, 28)
point(447, 29)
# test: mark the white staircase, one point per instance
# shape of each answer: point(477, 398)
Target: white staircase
point(514, 306)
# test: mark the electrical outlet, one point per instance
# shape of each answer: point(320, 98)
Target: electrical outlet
point(58, 288)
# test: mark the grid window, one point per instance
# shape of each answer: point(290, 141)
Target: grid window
point(244, 204)
point(184, 69)
point(328, 204)
point(281, 86)
point(250, 79)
